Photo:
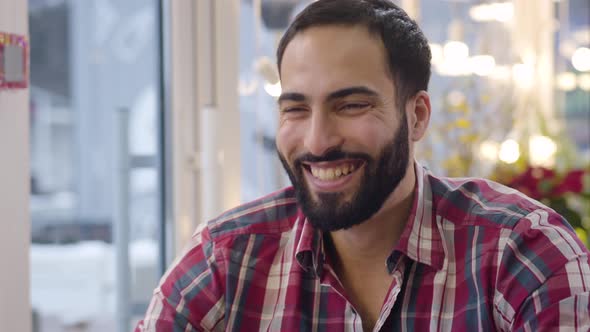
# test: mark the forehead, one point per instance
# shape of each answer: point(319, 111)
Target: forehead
point(327, 58)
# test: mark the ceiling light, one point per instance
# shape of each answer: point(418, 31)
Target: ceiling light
point(497, 11)
point(488, 150)
point(482, 65)
point(584, 82)
point(456, 51)
point(273, 89)
point(542, 151)
point(437, 53)
point(509, 151)
point(581, 59)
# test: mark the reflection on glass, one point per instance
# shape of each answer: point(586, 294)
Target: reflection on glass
point(91, 60)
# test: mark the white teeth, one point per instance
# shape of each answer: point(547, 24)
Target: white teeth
point(328, 174)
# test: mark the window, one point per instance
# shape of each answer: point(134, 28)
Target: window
point(95, 162)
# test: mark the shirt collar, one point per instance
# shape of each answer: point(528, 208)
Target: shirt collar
point(310, 248)
point(420, 240)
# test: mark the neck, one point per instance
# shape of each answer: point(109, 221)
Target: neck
point(370, 243)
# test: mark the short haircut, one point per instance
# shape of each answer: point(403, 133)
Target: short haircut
point(408, 53)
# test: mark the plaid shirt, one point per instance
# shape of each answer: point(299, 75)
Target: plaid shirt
point(474, 256)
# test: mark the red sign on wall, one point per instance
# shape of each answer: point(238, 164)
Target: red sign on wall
point(14, 68)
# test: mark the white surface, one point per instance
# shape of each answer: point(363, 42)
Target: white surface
point(75, 284)
point(15, 312)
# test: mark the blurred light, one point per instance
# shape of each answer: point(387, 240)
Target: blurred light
point(581, 59)
point(542, 151)
point(455, 51)
point(502, 73)
point(453, 68)
point(584, 82)
point(437, 53)
point(455, 63)
point(273, 89)
point(497, 11)
point(509, 151)
point(456, 98)
point(504, 11)
point(247, 88)
point(523, 75)
point(482, 65)
point(566, 81)
point(488, 150)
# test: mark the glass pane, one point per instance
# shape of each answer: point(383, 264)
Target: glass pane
point(95, 174)
point(499, 90)
point(472, 96)
point(489, 87)
point(573, 61)
point(262, 23)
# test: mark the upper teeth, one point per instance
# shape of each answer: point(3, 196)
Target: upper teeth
point(331, 173)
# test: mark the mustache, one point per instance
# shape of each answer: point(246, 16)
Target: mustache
point(332, 155)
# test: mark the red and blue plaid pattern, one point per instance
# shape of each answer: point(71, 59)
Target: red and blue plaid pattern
point(474, 256)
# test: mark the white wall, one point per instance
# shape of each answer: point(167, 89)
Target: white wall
point(15, 311)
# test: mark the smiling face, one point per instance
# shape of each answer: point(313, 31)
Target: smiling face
point(341, 138)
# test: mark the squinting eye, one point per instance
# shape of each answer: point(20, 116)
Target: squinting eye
point(292, 110)
point(294, 113)
point(355, 106)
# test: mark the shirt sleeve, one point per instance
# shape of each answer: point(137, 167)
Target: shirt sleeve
point(543, 283)
point(189, 296)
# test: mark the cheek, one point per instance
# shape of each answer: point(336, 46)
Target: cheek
point(287, 139)
point(366, 135)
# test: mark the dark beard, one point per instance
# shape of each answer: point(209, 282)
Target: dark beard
point(329, 212)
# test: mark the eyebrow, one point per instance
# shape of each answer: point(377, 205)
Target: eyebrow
point(354, 90)
point(292, 96)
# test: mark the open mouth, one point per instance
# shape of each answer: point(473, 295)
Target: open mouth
point(331, 171)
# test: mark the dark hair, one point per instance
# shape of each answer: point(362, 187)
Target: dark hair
point(408, 53)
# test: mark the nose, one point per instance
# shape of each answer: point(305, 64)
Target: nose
point(322, 134)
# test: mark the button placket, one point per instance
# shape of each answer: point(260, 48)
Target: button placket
point(398, 275)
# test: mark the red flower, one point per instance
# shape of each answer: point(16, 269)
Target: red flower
point(535, 182)
point(573, 183)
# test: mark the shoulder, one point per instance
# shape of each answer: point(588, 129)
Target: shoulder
point(509, 221)
point(482, 202)
point(271, 214)
point(191, 292)
point(534, 257)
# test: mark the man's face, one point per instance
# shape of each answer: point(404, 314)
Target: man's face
point(341, 138)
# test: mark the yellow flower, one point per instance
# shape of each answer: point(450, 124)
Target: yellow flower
point(463, 123)
point(582, 234)
point(468, 138)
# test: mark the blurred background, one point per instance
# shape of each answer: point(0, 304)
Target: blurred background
point(148, 117)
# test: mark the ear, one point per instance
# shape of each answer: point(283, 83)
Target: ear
point(418, 110)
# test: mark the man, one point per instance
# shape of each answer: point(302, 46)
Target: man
point(367, 239)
